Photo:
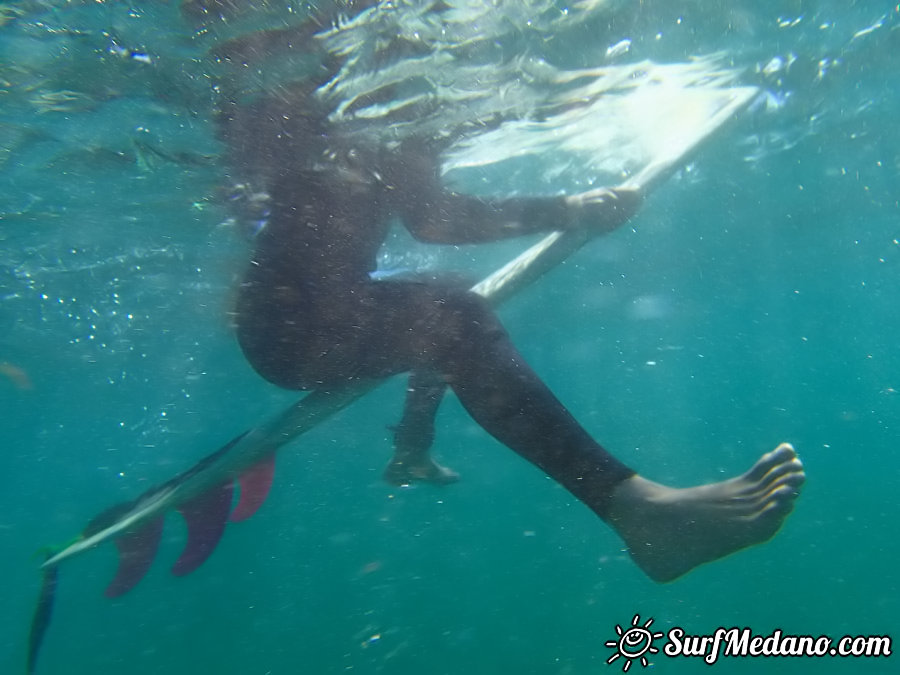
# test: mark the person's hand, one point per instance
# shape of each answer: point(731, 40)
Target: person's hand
point(604, 209)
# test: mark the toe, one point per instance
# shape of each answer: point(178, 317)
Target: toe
point(783, 495)
point(791, 471)
point(774, 510)
point(783, 454)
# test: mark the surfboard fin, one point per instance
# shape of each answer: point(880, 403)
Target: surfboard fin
point(205, 516)
point(136, 552)
point(255, 485)
point(136, 527)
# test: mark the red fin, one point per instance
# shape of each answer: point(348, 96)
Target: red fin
point(205, 516)
point(255, 485)
point(136, 552)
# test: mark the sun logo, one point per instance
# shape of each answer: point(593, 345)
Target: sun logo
point(633, 643)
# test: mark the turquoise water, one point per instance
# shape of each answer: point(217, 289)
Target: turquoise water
point(753, 301)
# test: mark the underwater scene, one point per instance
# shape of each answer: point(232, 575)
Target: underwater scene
point(194, 481)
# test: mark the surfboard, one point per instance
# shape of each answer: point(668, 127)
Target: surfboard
point(203, 494)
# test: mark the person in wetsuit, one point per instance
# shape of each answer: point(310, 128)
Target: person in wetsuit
point(310, 316)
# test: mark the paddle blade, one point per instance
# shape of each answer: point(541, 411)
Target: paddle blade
point(205, 516)
point(136, 552)
point(255, 485)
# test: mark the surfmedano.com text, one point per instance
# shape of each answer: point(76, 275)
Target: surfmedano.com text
point(742, 642)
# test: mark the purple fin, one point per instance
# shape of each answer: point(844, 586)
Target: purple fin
point(205, 516)
point(255, 485)
point(136, 552)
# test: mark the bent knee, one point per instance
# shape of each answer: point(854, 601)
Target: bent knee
point(464, 321)
point(462, 309)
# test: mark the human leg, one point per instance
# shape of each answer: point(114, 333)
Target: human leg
point(414, 435)
point(454, 335)
point(377, 329)
point(668, 531)
point(408, 326)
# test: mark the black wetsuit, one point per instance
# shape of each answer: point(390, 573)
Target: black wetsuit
point(309, 316)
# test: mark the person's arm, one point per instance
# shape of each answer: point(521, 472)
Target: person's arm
point(436, 215)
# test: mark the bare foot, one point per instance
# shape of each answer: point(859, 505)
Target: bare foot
point(671, 531)
point(603, 209)
point(405, 470)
